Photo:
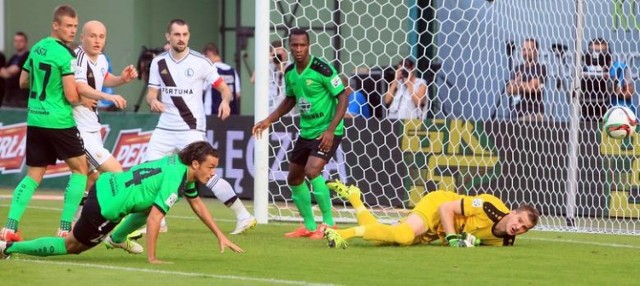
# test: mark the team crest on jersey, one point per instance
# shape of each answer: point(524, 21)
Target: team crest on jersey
point(189, 72)
point(13, 142)
point(304, 105)
point(476, 203)
point(171, 200)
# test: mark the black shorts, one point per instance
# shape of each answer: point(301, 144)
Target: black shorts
point(46, 145)
point(304, 148)
point(91, 228)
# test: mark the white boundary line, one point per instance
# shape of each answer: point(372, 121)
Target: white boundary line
point(169, 272)
point(614, 245)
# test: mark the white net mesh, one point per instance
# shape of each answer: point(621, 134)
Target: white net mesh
point(475, 133)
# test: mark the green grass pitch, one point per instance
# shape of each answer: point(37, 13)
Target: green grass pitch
point(539, 258)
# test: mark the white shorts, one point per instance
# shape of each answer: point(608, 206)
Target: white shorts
point(164, 142)
point(96, 153)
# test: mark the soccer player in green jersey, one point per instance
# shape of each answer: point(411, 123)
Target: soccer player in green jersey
point(146, 192)
point(316, 88)
point(51, 130)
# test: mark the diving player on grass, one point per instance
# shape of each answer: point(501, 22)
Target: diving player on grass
point(442, 215)
point(145, 192)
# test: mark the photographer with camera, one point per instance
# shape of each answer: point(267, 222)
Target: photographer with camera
point(604, 82)
point(406, 94)
point(526, 84)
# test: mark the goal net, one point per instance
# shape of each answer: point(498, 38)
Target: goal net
point(504, 113)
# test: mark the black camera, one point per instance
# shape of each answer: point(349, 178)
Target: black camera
point(144, 61)
point(597, 59)
point(278, 59)
point(405, 73)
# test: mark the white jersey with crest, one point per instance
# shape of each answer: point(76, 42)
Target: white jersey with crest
point(181, 84)
point(93, 74)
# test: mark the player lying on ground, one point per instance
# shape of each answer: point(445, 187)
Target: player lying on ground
point(146, 192)
point(457, 220)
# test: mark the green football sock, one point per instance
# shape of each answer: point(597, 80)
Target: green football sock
point(128, 225)
point(321, 192)
point(45, 246)
point(72, 197)
point(302, 198)
point(21, 198)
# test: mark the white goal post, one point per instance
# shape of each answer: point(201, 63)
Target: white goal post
point(470, 136)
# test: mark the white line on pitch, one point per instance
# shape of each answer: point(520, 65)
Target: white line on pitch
point(614, 245)
point(168, 272)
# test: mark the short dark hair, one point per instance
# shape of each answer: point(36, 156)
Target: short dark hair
point(407, 63)
point(598, 41)
point(532, 40)
point(197, 151)
point(298, 32)
point(62, 11)
point(276, 44)
point(22, 34)
point(531, 211)
point(211, 47)
point(177, 22)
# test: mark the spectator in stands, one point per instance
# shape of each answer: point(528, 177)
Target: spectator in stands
point(212, 96)
point(597, 90)
point(278, 62)
point(406, 94)
point(14, 96)
point(358, 105)
point(526, 84)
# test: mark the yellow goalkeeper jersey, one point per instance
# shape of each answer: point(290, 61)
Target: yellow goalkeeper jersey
point(479, 216)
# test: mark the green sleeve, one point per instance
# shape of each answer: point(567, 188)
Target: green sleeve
point(191, 190)
point(333, 83)
point(168, 194)
point(288, 87)
point(66, 64)
point(27, 64)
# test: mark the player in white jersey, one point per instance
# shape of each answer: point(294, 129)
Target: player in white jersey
point(181, 75)
point(91, 73)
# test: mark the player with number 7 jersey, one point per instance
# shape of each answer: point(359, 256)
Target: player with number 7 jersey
point(51, 130)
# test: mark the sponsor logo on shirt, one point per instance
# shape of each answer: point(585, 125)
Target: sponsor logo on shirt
point(13, 140)
point(176, 91)
point(130, 147)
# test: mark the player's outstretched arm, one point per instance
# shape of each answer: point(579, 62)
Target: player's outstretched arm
point(128, 74)
point(153, 228)
point(87, 91)
point(200, 209)
point(285, 106)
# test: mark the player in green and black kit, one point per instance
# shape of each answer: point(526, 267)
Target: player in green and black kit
point(322, 100)
point(146, 192)
point(51, 130)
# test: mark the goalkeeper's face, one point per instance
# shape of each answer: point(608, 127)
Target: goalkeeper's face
point(299, 46)
point(518, 223)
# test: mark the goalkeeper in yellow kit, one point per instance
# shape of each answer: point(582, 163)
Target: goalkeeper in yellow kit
point(457, 220)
